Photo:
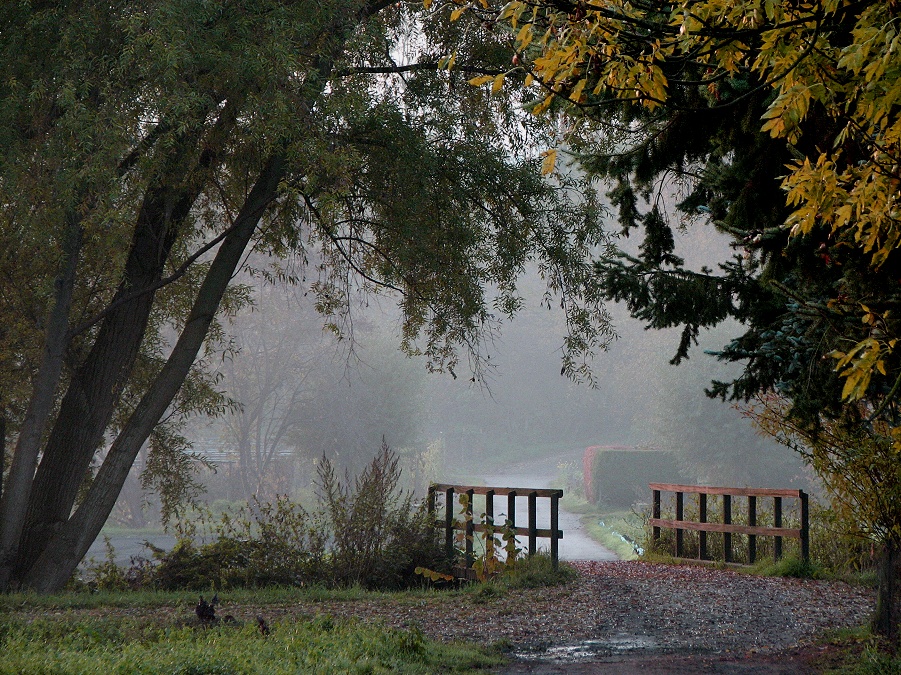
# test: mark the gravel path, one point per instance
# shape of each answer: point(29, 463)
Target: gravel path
point(617, 608)
point(634, 606)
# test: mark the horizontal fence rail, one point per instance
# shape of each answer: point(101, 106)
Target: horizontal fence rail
point(469, 526)
point(727, 528)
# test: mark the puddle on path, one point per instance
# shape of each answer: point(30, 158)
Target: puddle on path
point(590, 649)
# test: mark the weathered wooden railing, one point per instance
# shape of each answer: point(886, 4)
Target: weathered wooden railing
point(469, 526)
point(727, 527)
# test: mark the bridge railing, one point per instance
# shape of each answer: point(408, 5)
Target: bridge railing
point(469, 525)
point(727, 527)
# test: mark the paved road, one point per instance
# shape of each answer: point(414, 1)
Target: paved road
point(576, 544)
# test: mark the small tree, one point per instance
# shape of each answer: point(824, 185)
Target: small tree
point(859, 467)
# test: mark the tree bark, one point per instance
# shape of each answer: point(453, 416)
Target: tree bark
point(885, 618)
point(55, 539)
point(14, 501)
point(2, 446)
point(96, 386)
point(59, 558)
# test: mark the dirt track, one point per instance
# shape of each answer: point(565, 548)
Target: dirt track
point(653, 619)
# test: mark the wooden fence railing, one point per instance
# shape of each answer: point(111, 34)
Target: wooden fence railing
point(470, 526)
point(727, 527)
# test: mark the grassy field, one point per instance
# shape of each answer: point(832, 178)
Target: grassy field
point(46, 636)
point(157, 632)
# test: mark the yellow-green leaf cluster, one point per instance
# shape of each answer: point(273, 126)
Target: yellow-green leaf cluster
point(822, 55)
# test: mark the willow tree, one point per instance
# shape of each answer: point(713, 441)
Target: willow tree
point(147, 147)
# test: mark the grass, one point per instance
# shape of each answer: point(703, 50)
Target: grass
point(608, 527)
point(789, 567)
point(52, 634)
point(89, 633)
point(858, 652)
point(270, 595)
point(321, 645)
point(870, 660)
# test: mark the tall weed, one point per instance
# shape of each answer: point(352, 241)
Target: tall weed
point(379, 535)
point(365, 532)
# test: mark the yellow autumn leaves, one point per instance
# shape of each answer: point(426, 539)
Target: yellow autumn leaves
point(808, 52)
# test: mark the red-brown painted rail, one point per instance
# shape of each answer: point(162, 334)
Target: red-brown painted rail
point(470, 527)
point(727, 527)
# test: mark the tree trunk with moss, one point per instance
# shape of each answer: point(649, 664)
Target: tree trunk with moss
point(888, 608)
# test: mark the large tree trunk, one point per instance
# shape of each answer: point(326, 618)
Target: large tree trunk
point(15, 497)
point(55, 539)
point(96, 386)
point(56, 562)
point(885, 618)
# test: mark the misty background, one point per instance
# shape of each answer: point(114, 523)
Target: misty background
point(300, 393)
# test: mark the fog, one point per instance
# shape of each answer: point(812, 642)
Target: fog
point(300, 393)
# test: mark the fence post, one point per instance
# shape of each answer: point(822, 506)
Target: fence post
point(431, 501)
point(449, 522)
point(752, 520)
point(680, 514)
point(777, 522)
point(554, 524)
point(702, 534)
point(470, 529)
point(727, 519)
point(489, 524)
point(655, 513)
point(533, 523)
point(805, 526)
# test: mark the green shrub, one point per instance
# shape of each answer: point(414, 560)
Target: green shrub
point(620, 476)
point(837, 551)
point(379, 536)
point(106, 575)
point(792, 567)
point(263, 544)
point(536, 571)
point(366, 533)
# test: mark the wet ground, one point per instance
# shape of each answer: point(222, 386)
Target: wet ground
point(790, 662)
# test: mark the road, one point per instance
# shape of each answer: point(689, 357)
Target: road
point(542, 473)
